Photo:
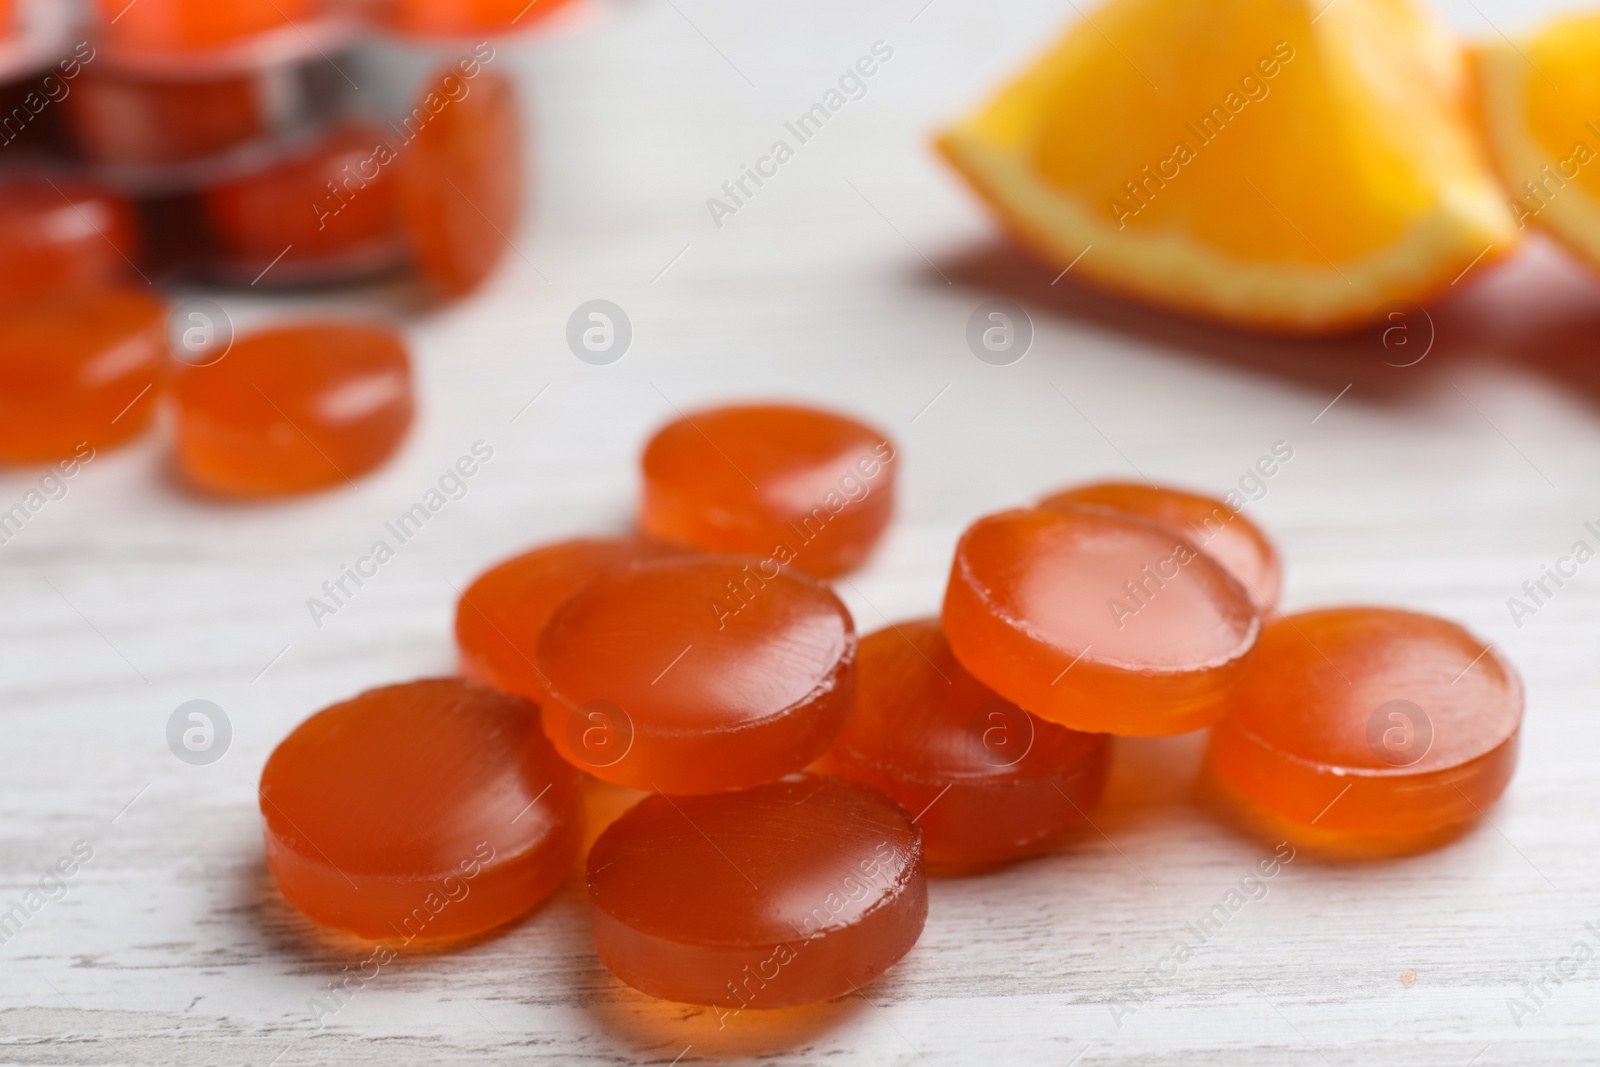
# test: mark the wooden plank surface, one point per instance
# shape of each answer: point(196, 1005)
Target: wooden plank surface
point(847, 280)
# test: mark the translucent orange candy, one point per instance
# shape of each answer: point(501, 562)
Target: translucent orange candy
point(122, 119)
point(989, 782)
point(1100, 621)
point(461, 174)
point(1358, 723)
point(693, 674)
point(194, 25)
point(1208, 524)
point(454, 18)
point(58, 234)
point(333, 202)
point(499, 617)
point(294, 409)
point(423, 811)
point(79, 368)
point(784, 894)
point(794, 484)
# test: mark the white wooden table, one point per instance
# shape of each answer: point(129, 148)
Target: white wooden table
point(847, 279)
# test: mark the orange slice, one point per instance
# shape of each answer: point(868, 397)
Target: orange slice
point(1289, 164)
point(1540, 103)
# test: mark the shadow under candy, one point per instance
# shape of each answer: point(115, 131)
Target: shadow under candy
point(1537, 308)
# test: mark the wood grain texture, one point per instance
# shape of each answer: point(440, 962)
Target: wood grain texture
point(847, 280)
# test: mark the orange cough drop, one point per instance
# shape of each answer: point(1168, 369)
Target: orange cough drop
point(795, 484)
point(424, 811)
point(988, 782)
point(1098, 621)
point(1370, 724)
point(696, 674)
point(785, 894)
point(294, 409)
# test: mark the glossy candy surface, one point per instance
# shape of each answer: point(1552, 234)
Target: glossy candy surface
point(1370, 723)
point(429, 810)
point(989, 782)
point(58, 233)
point(82, 366)
point(294, 409)
point(1208, 524)
point(193, 25)
point(784, 894)
point(500, 614)
point(695, 674)
point(794, 484)
point(1099, 621)
point(461, 175)
point(332, 203)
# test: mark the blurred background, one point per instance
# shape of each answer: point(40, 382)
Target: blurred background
point(847, 280)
